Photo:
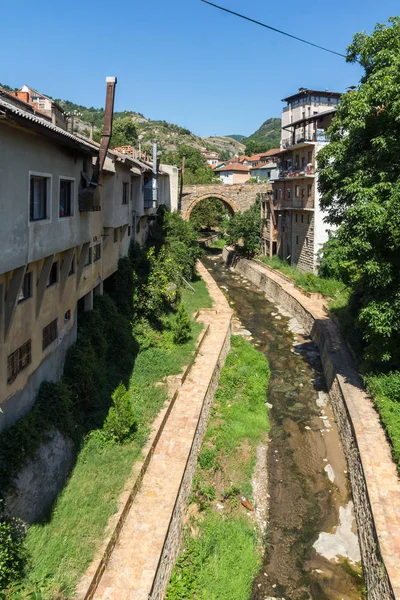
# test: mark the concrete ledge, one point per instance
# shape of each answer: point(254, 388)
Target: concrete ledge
point(130, 566)
point(373, 475)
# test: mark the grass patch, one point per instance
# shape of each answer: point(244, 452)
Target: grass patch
point(385, 390)
point(219, 244)
point(62, 547)
point(221, 555)
point(333, 289)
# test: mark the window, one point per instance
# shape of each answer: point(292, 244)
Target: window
point(303, 193)
point(26, 289)
point(67, 316)
point(65, 208)
point(38, 198)
point(88, 260)
point(303, 161)
point(129, 231)
point(296, 218)
point(309, 189)
point(18, 360)
point(302, 218)
point(297, 239)
point(115, 235)
point(53, 276)
point(96, 252)
point(288, 194)
point(309, 156)
point(72, 267)
point(297, 191)
point(125, 192)
point(49, 334)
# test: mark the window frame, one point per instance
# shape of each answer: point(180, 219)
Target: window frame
point(89, 258)
point(125, 193)
point(98, 245)
point(21, 300)
point(71, 180)
point(49, 195)
point(52, 330)
point(53, 266)
point(22, 362)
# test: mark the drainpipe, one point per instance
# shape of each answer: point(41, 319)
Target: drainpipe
point(154, 180)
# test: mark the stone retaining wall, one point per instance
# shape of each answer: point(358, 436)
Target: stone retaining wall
point(373, 477)
point(173, 540)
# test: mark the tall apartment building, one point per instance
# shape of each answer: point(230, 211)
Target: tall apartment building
point(59, 242)
point(293, 220)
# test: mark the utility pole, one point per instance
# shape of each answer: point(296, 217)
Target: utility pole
point(182, 177)
point(154, 181)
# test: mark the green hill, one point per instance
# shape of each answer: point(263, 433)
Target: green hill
point(236, 137)
point(269, 134)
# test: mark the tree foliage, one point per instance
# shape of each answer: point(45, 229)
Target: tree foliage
point(243, 230)
point(209, 213)
point(360, 186)
point(197, 171)
point(124, 132)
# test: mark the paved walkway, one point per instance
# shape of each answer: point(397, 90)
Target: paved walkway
point(130, 572)
point(380, 471)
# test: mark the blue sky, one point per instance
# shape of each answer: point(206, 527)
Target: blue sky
point(182, 60)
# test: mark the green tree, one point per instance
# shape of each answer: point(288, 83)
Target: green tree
point(244, 228)
point(209, 213)
point(359, 173)
point(254, 147)
point(197, 171)
point(124, 132)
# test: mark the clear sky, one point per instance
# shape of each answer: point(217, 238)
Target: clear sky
point(182, 60)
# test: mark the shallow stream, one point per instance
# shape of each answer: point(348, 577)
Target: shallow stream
point(311, 545)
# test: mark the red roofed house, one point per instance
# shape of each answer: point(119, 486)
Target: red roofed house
point(233, 173)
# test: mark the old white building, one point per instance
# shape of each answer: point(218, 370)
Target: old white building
point(59, 243)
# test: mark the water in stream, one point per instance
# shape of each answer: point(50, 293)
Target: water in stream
point(311, 547)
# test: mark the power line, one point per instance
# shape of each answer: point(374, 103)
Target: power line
point(273, 29)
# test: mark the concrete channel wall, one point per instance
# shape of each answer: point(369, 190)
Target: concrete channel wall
point(373, 477)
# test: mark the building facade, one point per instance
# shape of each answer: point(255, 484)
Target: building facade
point(294, 225)
point(57, 249)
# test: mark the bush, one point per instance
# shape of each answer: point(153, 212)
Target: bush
point(244, 228)
point(13, 555)
point(182, 327)
point(120, 423)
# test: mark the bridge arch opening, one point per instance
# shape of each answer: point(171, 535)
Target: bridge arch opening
point(206, 200)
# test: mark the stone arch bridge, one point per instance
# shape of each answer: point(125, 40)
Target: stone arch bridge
point(238, 197)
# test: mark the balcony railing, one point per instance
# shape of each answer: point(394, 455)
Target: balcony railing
point(293, 203)
point(294, 172)
point(304, 138)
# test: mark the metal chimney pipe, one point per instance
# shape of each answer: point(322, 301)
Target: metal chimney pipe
point(106, 136)
point(154, 181)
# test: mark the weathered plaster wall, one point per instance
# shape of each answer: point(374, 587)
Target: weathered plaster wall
point(41, 479)
point(361, 435)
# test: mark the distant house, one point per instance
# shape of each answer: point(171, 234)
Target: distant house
point(212, 158)
point(44, 104)
point(265, 171)
point(233, 173)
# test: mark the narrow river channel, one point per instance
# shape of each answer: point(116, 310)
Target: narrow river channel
point(311, 546)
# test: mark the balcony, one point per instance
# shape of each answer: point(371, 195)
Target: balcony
point(295, 172)
point(304, 138)
point(294, 204)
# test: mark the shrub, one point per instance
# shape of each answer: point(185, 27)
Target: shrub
point(13, 555)
point(206, 458)
point(182, 327)
point(120, 423)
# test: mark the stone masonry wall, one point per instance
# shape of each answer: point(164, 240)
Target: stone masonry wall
point(173, 539)
point(303, 240)
point(344, 384)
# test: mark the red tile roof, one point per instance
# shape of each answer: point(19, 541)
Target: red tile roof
point(234, 167)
